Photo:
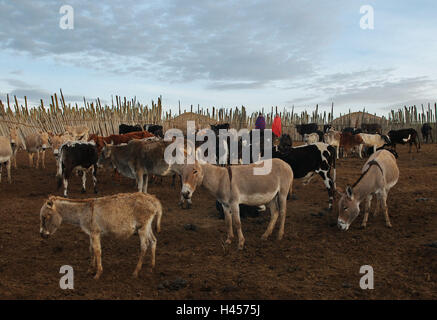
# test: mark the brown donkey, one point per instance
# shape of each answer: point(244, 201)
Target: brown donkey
point(380, 173)
point(239, 184)
point(122, 215)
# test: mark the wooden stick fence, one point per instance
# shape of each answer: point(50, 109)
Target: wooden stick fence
point(105, 119)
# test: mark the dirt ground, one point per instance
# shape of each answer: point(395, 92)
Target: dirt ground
point(315, 260)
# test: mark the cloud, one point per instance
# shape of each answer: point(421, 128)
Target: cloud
point(236, 41)
point(34, 94)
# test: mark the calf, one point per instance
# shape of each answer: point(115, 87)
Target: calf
point(308, 160)
point(77, 155)
point(126, 128)
point(333, 139)
point(427, 132)
point(37, 143)
point(79, 133)
point(348, 141)
point(5, 156)
point(404, 136)
point(372, 140)
point(121, 215)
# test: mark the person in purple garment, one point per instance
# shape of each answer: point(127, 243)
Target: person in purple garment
point(260, 122)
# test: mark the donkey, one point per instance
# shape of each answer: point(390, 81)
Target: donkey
point(5, 156)
point(122, 215)
point(37, 143)
point(17, 143)
point(239, 184)
point(380, 173)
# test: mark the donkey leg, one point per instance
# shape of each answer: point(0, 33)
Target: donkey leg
point(144, 242)
point(30, 155)
point(228, 223)
point(140, 180)
point(385, 209)
point(273, 217)
point(282, 214)
point(366, 210)
point(146, 183)
point(92, 267)
point(8, 167)
point(37, 160)
point(98, 253)
point(235, 209)
point(43, 159)
point(152, 241)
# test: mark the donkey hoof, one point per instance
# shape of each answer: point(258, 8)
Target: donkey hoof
point(82, 191)
point(96, 191)
point(135, 274)
point(264, 237)
point(97, 276)
point(363, 226)
point(228, 241)
point(388, 225)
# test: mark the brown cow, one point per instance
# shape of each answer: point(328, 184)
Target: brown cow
point(348, 141)
point(116, 139)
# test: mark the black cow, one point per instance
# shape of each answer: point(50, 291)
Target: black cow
point(126, 128)
point(77, 155)
point(307, 128)
point(154, 129)
point(427, 132)
point(216, 127)
point(326, 128)
point(307, 160)
point(372, 128)
point(352, 130)
point(404, 136)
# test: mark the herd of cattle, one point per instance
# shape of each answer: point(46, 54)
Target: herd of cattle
point(137, 152)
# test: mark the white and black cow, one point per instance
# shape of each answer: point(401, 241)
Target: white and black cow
point(404, 136)
point(308, 160)
point(77, 155)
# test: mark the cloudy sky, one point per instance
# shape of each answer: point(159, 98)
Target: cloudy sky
point(223, 53)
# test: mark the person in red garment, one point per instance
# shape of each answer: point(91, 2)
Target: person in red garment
point(276, 126)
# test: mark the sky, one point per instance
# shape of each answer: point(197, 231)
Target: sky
point(223, 53)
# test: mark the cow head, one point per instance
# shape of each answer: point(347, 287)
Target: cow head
point(50, 219)
point(192, 176)
point(348, 208)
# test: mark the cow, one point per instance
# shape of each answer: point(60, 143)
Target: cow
point(427, 132)
point(327, 128)
point(333, 139)
point(314, 137)
point(37, 143)
point(404, 136)
point(116, 139)
point(308, 160)
point(372, 128)
point(6, 154)
point(126, 128)
point(307, 128)
point(79, 155)
point(155, 129)
point(352, 130)
point(374, 141)
point(17, 143)
point(79, 133)
point(349, 141)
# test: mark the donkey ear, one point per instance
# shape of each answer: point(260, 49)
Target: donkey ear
point(349, 191)
point(49, 203)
